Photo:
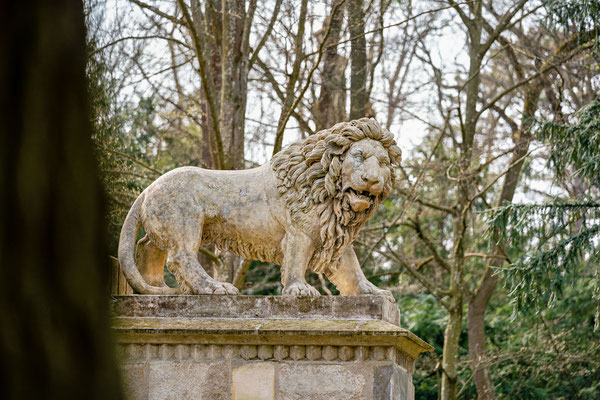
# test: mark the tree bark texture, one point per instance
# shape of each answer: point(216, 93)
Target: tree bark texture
point(359, 97)
point(234, 78)
point(450, 352)
point(55, 339)
point(331, 105)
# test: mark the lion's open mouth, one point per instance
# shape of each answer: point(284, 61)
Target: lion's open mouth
point(360, 201)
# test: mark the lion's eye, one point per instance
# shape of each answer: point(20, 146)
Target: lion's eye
point(384, 162)
point(358, 157)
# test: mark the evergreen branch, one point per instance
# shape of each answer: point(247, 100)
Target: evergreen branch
point(575, 145)
point(536, 281)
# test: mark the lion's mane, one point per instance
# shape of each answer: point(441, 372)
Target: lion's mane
point(309, 176)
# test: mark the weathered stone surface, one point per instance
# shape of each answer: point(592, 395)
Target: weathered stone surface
point(403, 386)
point(330, 353)
point(273, 307)
point(378, 353)
point(281, 352)
point(135, 380)
point(255, 381)
point(323, 382)
point(188, 380)
point(166, 352)
point(346, 353)
point(383, 383)
point(230, 352)
point(273, 331)
point(297, 352)
point(313, 353)
point(248, 352)
point(265, 352)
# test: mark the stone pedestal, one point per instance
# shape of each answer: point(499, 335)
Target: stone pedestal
point(253, 347)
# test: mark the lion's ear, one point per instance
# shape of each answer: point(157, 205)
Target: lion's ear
point(335, 148)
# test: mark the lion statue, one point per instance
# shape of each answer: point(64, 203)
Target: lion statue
point(302, 210)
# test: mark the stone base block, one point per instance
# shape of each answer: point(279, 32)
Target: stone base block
point(337, 348)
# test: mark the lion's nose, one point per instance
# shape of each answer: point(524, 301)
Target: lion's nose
point(373, 182)
point(371, 179)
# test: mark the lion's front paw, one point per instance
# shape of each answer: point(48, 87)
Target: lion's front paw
point(370, 289)
point(214, 287)
point(300, 289)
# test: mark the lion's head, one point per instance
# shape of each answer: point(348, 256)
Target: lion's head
point(343, 173)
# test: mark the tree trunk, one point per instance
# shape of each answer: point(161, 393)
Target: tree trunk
point(233, 90)
point(450, 353)
point(212, 22)
point(464, 185)
point(55, 339)
point(358, 55)
point(331, 105)
point(480, 300)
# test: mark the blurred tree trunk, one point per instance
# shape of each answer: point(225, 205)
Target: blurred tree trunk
point(55, 338)
point(359, 97)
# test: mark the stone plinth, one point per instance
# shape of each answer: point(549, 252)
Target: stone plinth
point(253, 347)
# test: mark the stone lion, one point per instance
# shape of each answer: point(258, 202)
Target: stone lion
point(302, 210)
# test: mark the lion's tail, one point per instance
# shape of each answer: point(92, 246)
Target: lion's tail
point(127, 241)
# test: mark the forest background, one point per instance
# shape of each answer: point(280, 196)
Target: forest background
point(490, 239)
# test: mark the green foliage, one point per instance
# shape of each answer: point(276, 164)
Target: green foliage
point(553, 238)
point(422, 315)
point(573, 15)
point(551, 355)
point(561, 235)
point(576, 146)
point(263, 279)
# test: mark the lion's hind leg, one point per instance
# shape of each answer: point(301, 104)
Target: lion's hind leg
point(150, 261)
point(182, 261)
point(193, 278)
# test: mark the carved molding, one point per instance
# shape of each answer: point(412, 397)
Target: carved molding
point(133, 352)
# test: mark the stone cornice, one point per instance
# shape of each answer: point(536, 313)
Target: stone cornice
point(255, 320)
